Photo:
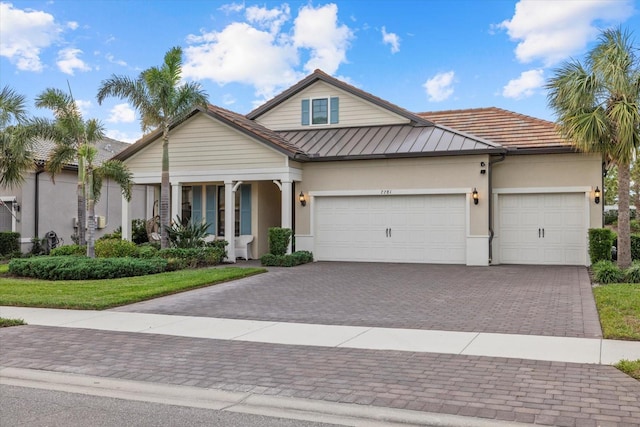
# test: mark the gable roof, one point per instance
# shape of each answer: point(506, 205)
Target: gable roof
point(107, 148)
point(511, 130)
point(235, 120)
point(319, 75)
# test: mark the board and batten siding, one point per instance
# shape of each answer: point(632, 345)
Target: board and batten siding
point(203, 143)
point(353, 111)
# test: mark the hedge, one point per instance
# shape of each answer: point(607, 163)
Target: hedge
point(180, 258)
point(79, 268)
point(279, 239)
point(67, 250)
point(115, 248)
point(291, 260)
point(9, 243)
point(600, 244)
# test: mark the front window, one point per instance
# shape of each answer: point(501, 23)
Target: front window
point(320, 111)
point(221, 210)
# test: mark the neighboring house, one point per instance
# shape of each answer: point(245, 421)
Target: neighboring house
point(42, 205)
point(360, 179)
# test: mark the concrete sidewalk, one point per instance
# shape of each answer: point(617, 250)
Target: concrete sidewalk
point(529, 347)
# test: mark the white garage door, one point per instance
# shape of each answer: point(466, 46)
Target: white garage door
point(542, 229)
point(421, 228)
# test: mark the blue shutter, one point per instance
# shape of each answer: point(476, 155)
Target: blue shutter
point(196, 208)
point(335, 117)
point(245, 209)
point(211, 208)
point(305, 112)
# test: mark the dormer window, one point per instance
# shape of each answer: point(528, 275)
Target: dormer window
point(320, 111)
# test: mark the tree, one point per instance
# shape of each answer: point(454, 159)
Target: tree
point(597, 109)
point(75, 139)
point(611, 186)
point(16, 139)
point(161, 99)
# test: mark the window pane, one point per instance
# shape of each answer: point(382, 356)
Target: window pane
point(320, 111)
point(187, 200)
point(6, 217)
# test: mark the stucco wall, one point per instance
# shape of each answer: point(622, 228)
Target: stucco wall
point(266, 213)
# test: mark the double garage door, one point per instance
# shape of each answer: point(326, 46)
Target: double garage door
point(542, 228)
point(403, 228)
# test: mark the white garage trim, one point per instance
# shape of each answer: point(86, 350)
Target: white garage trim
point(542, 190)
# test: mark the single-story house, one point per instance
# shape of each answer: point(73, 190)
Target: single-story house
point(358, 178)
point(41, 205)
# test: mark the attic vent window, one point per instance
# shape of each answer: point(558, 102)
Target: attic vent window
point(320, 111)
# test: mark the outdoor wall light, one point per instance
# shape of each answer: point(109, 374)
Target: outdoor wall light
point(302, 200)
point(475, 196)
point(597, 195)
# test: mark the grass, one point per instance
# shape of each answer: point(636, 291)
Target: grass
point(4, 268)
point(619, 309)
point(5, 323)
point(102, 294)
point(630, 367)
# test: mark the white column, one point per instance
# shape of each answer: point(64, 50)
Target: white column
point(150, 195)
point(126, 219)
point(176, 201)
point(230, 220)
point(286, 214)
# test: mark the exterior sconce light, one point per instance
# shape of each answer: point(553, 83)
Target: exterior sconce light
point(597, 195)
point(302, 200)
point(475, 196)
point(16, 207)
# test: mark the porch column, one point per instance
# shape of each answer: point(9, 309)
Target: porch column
point(286, 215)
point(126, 219)
point(176, 202)
point(149, 191)
point(230, 220)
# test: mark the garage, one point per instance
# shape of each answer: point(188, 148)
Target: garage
point(542, 228)
point(391, 228)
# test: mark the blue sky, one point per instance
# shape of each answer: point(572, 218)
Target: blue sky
point(422, 55)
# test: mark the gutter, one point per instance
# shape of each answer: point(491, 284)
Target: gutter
point(492, 161)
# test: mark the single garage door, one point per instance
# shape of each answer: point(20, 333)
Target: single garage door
point(543, 229)
point(419, 228)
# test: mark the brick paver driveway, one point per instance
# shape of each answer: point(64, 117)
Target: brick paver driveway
point(502, 299)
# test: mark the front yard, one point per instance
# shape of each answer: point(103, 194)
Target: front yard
point(619, 310)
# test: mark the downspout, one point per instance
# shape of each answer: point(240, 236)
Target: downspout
point(36, 209)
point(492, 161)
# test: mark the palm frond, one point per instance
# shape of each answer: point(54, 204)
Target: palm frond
point(13, 107)
point(117, 171)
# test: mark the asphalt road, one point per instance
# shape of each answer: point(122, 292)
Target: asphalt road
point(21, 406)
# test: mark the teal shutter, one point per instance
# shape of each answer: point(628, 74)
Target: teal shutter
point(211, 208)
point(245, 209)
point(305, 112)
point(196, 207)
point(335, 117)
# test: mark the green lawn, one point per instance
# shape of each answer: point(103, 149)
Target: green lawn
point(619, 310)
point(630, 367)
point(102, 294)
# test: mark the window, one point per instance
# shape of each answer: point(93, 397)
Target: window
point(320, 111)
point(6, 216)
point(206, 203)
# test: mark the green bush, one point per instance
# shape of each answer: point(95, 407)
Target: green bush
point(191, 257)
point(221, 245)
point(279, 239)
point(9, 243)
point(635, 246)
point(607, 272)
point(67, 250)
point(146, 250)
point(291, 260)
point(115, 248)
point(190, 235)
point(632, 274)
point(139, 231)
point(600, 244)
point(114, 235)
point(610, 217)
point(78, 268)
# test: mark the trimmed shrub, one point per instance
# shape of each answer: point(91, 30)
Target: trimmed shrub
point(635, 246)
point(632, 274)
point(9, 243)
point(220, 245)
point(115, 248)
point(607, 272)
point(68, 250)
point(78, 268)
point(291, 260)
point(279, 239)
point(600, 244)
point(191, 257)
point(146, 251)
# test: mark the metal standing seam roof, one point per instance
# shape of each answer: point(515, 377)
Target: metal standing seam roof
point(385, 141)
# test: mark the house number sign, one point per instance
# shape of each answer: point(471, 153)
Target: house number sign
point(385, 192)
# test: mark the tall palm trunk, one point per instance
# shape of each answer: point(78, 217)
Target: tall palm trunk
point(91, 214)
point(81, 203)
point(624, 238)
point(165, 189)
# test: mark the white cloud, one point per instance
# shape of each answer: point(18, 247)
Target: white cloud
point(440, 86)
point(24, 33)
point(72, 25)
point(113, 60)
point(68, 61)
point(525, 85)
point(83, 106)
point(552, 31)
point(123, 136)
point(391, 39)
point(317, 29)
point(231, 7)
point(273, 19)
point(121, 113)
point(228, 99)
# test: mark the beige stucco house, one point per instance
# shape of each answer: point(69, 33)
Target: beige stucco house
point(360, 179)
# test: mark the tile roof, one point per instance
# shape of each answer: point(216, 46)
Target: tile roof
point(511, 130)
point(107, 148)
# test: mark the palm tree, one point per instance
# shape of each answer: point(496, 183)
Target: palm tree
point(597, 108)
point(161, 100)
point(16, 140)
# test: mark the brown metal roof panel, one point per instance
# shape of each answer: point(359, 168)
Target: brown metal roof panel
point(434, 142)
point(381, 141)
point(322, 139)
point(342, 139)
point(362, 147)
point(399, 139)
point(356, 135)
point(457, 141)
point(389, 138)
point(410, 140)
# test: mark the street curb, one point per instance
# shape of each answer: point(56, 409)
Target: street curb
point(248, 403)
